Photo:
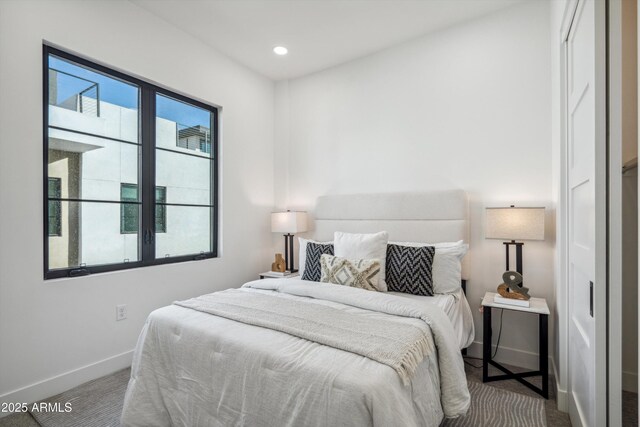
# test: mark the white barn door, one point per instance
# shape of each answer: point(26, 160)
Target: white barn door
point(586, 178)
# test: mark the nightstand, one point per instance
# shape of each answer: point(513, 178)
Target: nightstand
point(537, 306)
point(272, 275)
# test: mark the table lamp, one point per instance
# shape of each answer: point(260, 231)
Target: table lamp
point(289, 222)
point(515, 224)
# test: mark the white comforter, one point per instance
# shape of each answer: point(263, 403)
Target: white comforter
point(194, 369)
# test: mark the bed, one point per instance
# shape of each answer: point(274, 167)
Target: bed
point(456, 307)
point(318, 354)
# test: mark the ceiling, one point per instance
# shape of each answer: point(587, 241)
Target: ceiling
point(318, 33)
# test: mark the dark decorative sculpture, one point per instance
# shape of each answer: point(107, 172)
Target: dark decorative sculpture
point(512, 286)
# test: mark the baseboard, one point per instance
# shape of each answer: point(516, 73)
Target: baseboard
point(63, 382)
point(562, 397)
point(630, 381)
point(509, 356)
point(575, 414)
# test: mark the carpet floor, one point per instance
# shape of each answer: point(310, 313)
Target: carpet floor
point(99, 403)
point(493, 407)
point(554, 417)
point(629, 409)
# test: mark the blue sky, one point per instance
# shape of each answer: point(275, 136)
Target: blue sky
point(124, 94)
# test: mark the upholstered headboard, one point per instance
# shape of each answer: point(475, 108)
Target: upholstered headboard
point(437, 216)
point(430, 217)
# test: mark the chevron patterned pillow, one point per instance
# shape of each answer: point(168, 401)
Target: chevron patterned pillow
point(360, 273)
point(409, 269)
point(312, 260)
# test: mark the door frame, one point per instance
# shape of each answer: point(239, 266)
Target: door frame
point(600, 306)
point(614, 56)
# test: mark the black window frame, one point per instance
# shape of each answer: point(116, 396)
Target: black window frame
point(147, 172)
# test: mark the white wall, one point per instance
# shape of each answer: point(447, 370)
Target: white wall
point(56, 334)
point(467, 107)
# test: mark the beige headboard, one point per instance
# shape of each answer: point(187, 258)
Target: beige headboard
point(437, 216)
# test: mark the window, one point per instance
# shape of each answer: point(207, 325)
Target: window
point(129, 217)
point(129, 212)
point(138, 164)
point(54, 225)
point(161, 210)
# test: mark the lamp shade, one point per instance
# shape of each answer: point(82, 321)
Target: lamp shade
point(515, 223)
point(288, 222)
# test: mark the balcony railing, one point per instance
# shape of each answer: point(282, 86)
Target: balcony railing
point(197, 138)
point(74, 93)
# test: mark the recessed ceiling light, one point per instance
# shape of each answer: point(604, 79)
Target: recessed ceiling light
point(280, 50)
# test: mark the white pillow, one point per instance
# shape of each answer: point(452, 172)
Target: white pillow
point(364, 246)
point(447, 264)
point(302, 252)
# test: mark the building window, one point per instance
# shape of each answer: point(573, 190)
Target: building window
point(129, 215)
point(129, 212)
point(119, 143)
point(55, 207)
point(161, 209)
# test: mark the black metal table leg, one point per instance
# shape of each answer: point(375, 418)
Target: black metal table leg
point(543, 362)
point(543, 333)
point(486, 342)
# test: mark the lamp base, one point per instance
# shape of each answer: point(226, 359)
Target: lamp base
point(518, 246)
point(288, 252)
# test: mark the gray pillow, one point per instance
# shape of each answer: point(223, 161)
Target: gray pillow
point(409, 269)
point(315, 250)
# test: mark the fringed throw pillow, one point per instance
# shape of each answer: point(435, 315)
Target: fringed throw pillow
point(361, 273)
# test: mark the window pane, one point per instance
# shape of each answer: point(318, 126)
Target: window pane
point(161, 210)
point(91, 236)
point(89, 114)
point(183, 127)
point(129, 213)
point(129, 218)
point(54, 187)
point(85, 100)
point(129, 192)
point(188, 231)
point(187, 178)
point(54, 226)
point(161, 194)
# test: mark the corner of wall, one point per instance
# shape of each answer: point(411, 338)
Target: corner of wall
point(558, 11)
point(281, 145)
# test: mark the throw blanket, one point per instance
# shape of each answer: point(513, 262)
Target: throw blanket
point(396, 344)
